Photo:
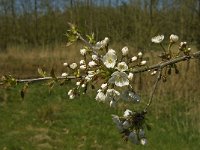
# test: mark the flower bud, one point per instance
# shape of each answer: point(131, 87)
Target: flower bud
point(134, 58)
point(82, 62)
point(78, 83)
point(140, 54)
point(143, 141)
point(130, 76)
point(143, 62)
point(83, 51)
point(83, 67)
point(83, 85)
point(64, 74)
point(94, 57)
point(104, 86)
point(92, 64)
point(125, 51)
point(73, 66)
point(112, 103)
point(173, 38)
point(65, 64)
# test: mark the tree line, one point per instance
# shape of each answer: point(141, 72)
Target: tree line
point(44, 22)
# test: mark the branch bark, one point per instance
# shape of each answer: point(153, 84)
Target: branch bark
point(135, 71)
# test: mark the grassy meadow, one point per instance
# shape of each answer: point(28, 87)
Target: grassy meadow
point(50, 121)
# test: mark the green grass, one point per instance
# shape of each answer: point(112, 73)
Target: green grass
point(47, 121)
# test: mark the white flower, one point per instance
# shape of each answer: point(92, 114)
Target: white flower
point(83, 67)
point(70, 92)
point(82, 62)
point(65, 64)
point(78, 83)
point(127, 113)
point(143, 62)
point(83, 51)
point(73, 65)
point(71, 96)
point(130, 76)
point(133, 137)
point(92, 64)
point(119, 79)
point(143, 141)
point(100, 96)
point(112, 94)
point(134, 58)
point(64, 74)
point(158, 39)
point(94, 57)
point(122, 66)
point(140, 54)
point(88, 78)
point(113, 103)
point(173, 38)
point(104, 86)
point(125, 51)
point(83, 85)
point(102, 44)
point(110, 59)
point(126, 124)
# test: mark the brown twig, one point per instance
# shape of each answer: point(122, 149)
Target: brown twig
point(135, 71)
point(154, 89)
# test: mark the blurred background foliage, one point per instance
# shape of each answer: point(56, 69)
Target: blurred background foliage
point(41, 23)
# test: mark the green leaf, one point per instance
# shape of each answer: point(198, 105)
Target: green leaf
point(41, 72)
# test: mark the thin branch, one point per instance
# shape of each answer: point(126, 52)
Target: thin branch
point(154, 89)
point(135, 71)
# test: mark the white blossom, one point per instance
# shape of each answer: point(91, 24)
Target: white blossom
point(119, 79)
point(70, 92)
point(102, 44)
point(127, 113)
point(64, 74)
point(92, 64)
point(130, 76)
point(109, 59)
point(73, 65)
point(82, 62)
point(94, 57)
point(78, 83)
point(143, 141)
point(83, 51)
point(112, 94)
point(140, 54)
point(65, 64)
point(143, 62)
point(88, 78)
point(83, 67)
point(100, 96)
point(71, 96)
point(134, 58)
point(173, 38)
point(83, 85)
point(104, 86)
point(122, 66)
point(125, 51)
point(113, 103)
point(158, 39)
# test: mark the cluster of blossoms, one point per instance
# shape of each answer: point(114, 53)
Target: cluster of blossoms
point(105, 67)
point(131, 126)
point(102, 67)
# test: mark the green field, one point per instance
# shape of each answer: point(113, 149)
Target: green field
point(48, 121)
